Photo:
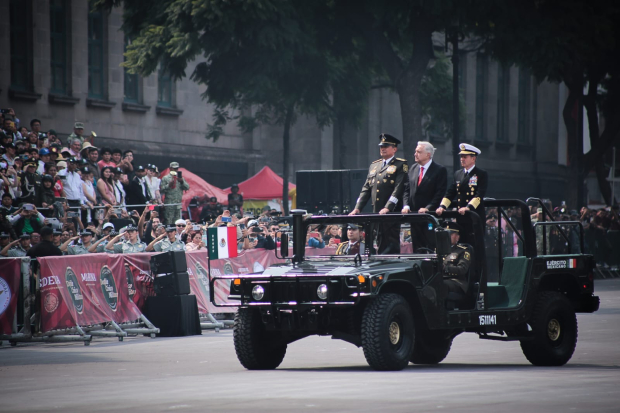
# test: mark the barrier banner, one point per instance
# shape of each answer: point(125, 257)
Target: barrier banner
point(10, 274)
point(137, 269)
point(84, 292)
point(249, 261)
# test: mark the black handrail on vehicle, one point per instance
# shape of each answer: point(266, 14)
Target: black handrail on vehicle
point(557, 224)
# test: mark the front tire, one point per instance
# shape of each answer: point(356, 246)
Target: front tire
point(388, 332)
point(256, 348)
point(554, 327)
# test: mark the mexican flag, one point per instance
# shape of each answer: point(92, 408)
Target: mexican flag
point(222, 242)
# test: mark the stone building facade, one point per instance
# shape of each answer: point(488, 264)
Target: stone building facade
point(64, 67)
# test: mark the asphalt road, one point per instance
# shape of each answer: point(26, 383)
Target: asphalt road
point(202, 373)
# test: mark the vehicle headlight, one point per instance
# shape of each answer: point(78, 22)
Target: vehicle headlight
point(258, 292)
point(321, 292)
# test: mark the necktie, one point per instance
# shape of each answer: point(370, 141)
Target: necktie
point(421, 175)
point(384, 163)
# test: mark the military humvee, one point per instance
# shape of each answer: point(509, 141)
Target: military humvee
point(396, 307)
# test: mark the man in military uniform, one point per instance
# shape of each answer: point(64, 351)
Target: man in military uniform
point(355, 244)
point(456, 264)
point(384, 186)
point(172, 187)
point(81, 248)
point(468, 188)
point(167, 242)
point(130, 245)
point(17, 248)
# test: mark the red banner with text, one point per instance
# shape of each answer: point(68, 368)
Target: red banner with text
point(10, 274)
point(78, 291)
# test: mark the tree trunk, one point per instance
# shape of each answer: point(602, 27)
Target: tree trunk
point(286, 143)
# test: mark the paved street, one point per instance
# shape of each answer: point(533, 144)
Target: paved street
point(318, 374)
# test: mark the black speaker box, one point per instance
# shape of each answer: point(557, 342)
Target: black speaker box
point(171, 284)
point(169, 262)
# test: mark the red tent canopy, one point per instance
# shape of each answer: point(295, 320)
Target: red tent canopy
point(266, 184)
point(200, 188)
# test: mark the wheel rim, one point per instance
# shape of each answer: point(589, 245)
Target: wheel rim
point(553, 330)
point(394, 332)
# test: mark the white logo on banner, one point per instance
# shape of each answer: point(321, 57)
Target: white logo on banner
point(5, 295)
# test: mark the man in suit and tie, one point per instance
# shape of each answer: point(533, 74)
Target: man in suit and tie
point(469, 187)
point(138, 193)
point(427, 184)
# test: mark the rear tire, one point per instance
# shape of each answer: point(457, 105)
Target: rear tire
point(554, 327)
point(256, 348)
point(430, 348)
point(388, 332)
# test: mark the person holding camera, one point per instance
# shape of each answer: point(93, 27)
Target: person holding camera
point(166, 242)
point(314, 238)
point(172, 187)
point(27, 219)
point(258, 237)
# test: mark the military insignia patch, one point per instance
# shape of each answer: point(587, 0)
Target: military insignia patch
point(391, 169)
point(405, 168)
point(467, 255)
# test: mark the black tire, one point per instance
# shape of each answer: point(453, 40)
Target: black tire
point(554, 327)
point(430, 348)
point(388, 332)
point(256, 348)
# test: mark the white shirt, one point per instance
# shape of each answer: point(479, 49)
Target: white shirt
point(153, 184)
point(386, 161)
point(469, 170)
point(73, 188)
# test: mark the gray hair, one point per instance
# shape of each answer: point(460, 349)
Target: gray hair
point(428, 147)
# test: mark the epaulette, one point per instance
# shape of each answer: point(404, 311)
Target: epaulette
point(401, 159)
point(462, 246)
point(378, 160)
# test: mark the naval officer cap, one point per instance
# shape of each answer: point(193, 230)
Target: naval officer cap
point(388, 140)
point(467, 149)
point(453, 227)
point(353, 226)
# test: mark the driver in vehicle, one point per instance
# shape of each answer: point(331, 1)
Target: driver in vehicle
point(355, 244)
point(456, 264)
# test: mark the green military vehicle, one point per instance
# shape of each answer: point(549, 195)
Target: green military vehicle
point(396, 307)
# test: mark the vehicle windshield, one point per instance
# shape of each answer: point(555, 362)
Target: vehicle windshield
point(370, 236)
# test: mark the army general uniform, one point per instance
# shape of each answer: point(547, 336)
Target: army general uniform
point(456, 265)
point(468, 189)
point(384, 186)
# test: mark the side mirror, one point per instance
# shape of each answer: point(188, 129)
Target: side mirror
point(444, 245)
point(283, 245)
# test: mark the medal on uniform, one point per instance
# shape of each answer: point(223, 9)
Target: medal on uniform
point(391, 169)
point(473, 180)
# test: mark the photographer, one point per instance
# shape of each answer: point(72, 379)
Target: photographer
point(258, 237)
point(172, 187)
point(314, 238)
point(27, 219)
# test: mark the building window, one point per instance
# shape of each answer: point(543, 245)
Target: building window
point(96, 61)
point(132, 82)
point(21, 45)
point(164, 89)
point(503, 102)
point(523, 135)
point(58, 50)
point(481, 87)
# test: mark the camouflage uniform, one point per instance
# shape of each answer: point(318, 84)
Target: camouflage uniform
point(173, 192)
point(165, 245)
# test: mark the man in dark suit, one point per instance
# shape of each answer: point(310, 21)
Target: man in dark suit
point(427, 182)
point(138, 192)
point(384, 186)
point(468, 188)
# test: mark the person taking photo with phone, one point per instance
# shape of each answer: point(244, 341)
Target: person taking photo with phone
point(171, 188)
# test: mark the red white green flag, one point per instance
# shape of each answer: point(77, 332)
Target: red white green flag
point(222, 242)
